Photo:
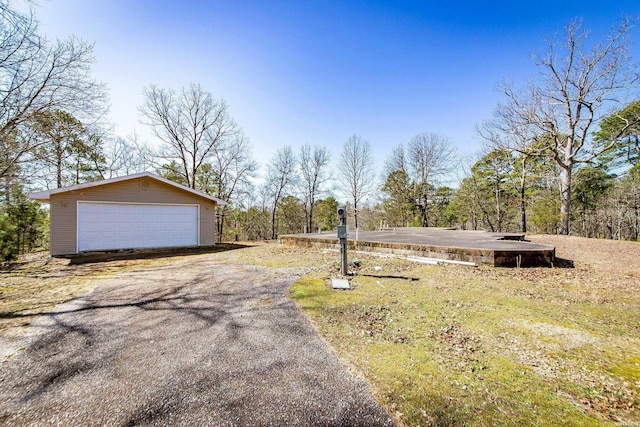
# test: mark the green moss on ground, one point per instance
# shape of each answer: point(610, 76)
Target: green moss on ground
point(462, 346)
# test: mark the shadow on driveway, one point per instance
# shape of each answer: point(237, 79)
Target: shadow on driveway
point(190, 343)
point(95, 257)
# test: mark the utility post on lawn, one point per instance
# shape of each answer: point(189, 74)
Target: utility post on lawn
point(342, 236)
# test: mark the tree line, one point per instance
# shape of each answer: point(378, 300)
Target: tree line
point(560, 154)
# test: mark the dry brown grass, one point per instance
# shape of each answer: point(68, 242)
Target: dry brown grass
point(36, 283)
point(459, 345)
point(494, 346)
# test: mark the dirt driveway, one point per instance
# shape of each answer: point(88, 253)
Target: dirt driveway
point(190, 342)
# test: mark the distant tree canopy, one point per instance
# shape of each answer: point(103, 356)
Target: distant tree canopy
point(356, 168)
point(561, 154)
point(577, 84)
point(37, 76)
point(621, 131)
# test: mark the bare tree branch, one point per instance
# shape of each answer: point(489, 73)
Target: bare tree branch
point(314, 177)
point(357, 169)
point(578, 88)
point(37, 76)
point(191, 124)
point(280, 178)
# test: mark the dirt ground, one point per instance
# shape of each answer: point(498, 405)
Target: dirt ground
point(588, 271)
point(199, 340)
point(37, 283)
point(609, 269)
point(547, 346)
point(594, 254)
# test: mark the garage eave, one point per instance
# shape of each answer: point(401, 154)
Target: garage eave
point(40, 196)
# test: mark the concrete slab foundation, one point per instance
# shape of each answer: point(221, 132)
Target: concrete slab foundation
point(496, 249)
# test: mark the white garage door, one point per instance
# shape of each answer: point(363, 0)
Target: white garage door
point(108, 226)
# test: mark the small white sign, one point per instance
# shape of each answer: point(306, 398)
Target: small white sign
point(340, 284)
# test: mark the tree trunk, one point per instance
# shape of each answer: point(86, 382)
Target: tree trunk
point(523, 201)
point(474, 220)
point(77, 171)
point(523, 210)
point(424, 212)
point(355, 214)
point(565, 199)
point(636, 219)
point(220, 222)
point(273, 223)
point(308, 218)
point(192, 184)
point(498, 210)
point(425, 216)
point(59, 172)
point(487, 219)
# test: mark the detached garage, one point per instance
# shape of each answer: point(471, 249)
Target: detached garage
point(129, 212)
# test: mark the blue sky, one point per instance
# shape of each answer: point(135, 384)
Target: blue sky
point(298, 72)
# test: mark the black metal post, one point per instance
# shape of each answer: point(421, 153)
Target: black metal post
point(342, 236)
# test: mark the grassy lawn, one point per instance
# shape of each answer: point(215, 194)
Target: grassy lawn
point(452, 345)
point(36, 283)
point(439, 345)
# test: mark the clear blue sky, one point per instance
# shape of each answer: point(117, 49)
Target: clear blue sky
point(296, 72)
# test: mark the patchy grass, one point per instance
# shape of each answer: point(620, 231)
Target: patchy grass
point(486, 346)
point(35, 284)
point(274, 255)
point(441, 345)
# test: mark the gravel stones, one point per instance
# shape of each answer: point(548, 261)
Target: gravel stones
point(193, 342)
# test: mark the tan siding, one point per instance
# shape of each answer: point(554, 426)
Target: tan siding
point(64, 208)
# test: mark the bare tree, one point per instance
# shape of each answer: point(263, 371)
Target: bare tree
point(314, 177)
point(124, 157)
point(429, 158)
point(578, 87)
point(503, 132)
point(397, 161)
point(358, 172)
point(280, 178)
point(190, 124)
point(37, 76)
point(234, 167)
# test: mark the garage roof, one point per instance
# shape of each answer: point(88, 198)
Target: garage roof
point(44, 196)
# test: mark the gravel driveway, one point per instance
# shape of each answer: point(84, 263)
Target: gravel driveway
point(193, 342)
